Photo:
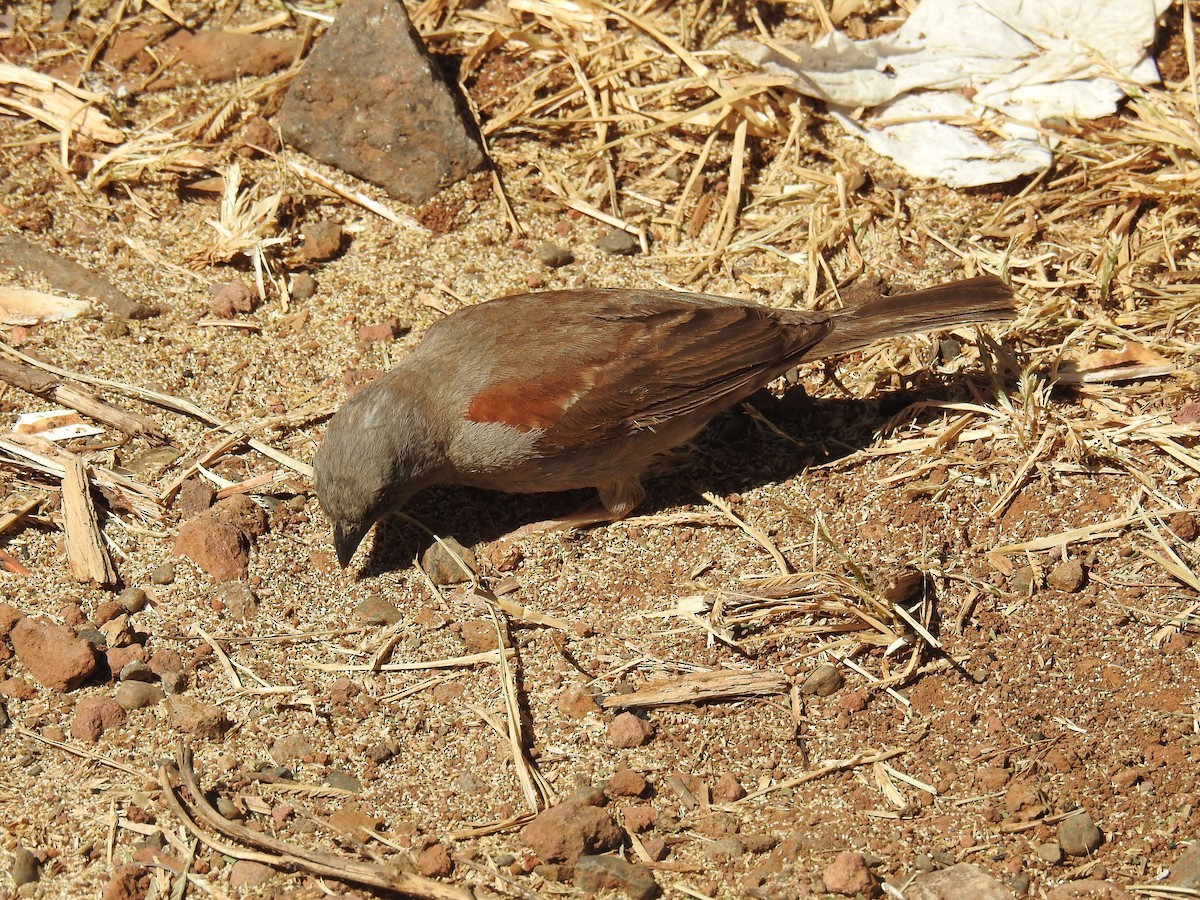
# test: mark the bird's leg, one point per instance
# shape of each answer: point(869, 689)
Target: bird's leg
point(617, 500)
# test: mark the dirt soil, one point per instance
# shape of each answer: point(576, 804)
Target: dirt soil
point(1054, 663)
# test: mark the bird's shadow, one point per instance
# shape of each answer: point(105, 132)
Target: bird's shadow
point(735, 453)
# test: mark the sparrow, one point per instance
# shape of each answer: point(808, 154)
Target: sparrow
point(560, 390)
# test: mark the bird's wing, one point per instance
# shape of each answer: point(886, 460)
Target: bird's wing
point(608, 363)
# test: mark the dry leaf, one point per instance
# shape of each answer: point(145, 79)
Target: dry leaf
point(1130, 362)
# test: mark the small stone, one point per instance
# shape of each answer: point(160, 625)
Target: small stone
point(1079, 835)
point(725, 849)
point(173, 682)
point(656, 848)
point(9, 617)
point(380, 753)
point(957, 882)
point(991, 778)
point(138, 694)
point(165, 660)
point(1051, 854)
point(127, 883)
point(17, 688)
point(479, 635)
point(248, 873)
point(1185, 872)
point(258, 137)
point(93, 715)
point(134, 599)
point(435, 862)
point(1184, 525)
point(381, 109)
point(823, 681)
point(849, 876)
point(239, 600)
point(387, 330)
point(25, 867)
point(323, 240)
point(1024, 581)
point(1068, 576)
point(377, 611)
point(292, 748)
point(53, 655)
point(304, 286)
point(638, 818)
point(444, 562)
point(343, 781)
point(627, 783)
point(195, 496)
point(201, 719)
point(565, 832)
point(1025, 802)
point(576, 702)
point(163, 574)
point(728, 789)
point(553, 256)
point(601, 873)
point(468, 783)
point(232, 298)
point(628, 730)
point(619, 242)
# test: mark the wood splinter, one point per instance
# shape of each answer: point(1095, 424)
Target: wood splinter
point(86, 553)
point(30, 379)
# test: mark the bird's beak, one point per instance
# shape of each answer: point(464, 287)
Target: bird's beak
point(346, 539)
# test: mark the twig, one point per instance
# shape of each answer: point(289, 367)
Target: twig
point(29, 379)
point(178, 404)
point(281, 853)
point(699, 688)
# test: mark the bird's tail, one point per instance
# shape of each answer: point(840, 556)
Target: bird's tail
point(969, 302)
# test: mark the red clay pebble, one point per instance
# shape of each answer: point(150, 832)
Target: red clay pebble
point(248, 873)
point(628, 730)
point(232, 298)
point(435, 862)
point(1184, 525)
point(849, 876)
point(9, 617)
point(195, 496)
point(852, 702)
point(627, 783)
point(640, 817)
point(1068, 576)
point(387, 330)
point(53, 654)
point(201, 719)
point(18, 688)
point(565, 832)
point(322, 240)
point(1025, 802)
point(576, 701)
point(127, 883)
point(728, 789)
point(93, 715)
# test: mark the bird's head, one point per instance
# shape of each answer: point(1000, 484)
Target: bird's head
point(378, 451)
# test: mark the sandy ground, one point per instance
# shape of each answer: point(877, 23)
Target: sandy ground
point(1034, 703)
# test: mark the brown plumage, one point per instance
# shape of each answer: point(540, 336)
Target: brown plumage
point(570, 389)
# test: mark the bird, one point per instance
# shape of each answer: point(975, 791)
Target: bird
point(566, 389)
